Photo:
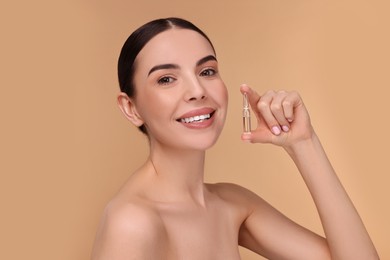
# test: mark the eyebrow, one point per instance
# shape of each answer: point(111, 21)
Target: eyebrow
point(206, 59)
point(162, 67)
point(175, 66)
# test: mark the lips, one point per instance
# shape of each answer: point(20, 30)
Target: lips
point(197, 118)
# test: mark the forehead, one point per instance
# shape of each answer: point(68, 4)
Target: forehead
point(174, 46)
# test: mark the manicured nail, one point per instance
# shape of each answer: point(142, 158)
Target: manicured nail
point(289, 120)
point(246, 137)
point(285, 128)
point(276, 130)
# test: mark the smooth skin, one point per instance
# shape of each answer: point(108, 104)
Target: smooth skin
point(166, 211)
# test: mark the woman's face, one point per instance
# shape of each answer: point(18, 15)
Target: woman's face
point(179, 93)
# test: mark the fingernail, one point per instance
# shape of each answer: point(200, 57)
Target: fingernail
point(246, 137)
point(289, 120)
point(276, 130)
point(285, 128)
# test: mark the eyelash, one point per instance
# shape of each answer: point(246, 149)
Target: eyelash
point(166, 80)
point(206, 72)
point(163, 80)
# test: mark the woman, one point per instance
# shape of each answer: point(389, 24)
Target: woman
point(172, 91)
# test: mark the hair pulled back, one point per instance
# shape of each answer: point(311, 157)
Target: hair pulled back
point(136, 42)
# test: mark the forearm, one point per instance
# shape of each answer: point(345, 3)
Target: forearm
point(344, 230)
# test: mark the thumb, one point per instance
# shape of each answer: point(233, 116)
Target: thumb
point(252, 95)
point(259, 135)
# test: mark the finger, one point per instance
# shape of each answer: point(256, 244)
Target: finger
point(252, 95)
point(277, 109)
point(259, 135)
point(289, 103)
point(264, 106)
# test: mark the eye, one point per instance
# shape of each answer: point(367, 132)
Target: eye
point(208, 72)
point(165, 80)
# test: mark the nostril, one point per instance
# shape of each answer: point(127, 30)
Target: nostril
point(195, 98)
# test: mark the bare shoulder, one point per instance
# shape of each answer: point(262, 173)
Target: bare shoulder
point(228, 187)
point(132, 216)
point(129, 230)
point(235, 193)
point(238, 198)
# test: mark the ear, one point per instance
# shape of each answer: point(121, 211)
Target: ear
point(129, 109)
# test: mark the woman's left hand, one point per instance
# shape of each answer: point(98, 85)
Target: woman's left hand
point(282, 118)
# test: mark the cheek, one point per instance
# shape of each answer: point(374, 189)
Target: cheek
point(221, 95)
point(153, 106)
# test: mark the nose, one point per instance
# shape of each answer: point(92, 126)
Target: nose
point(194, 90)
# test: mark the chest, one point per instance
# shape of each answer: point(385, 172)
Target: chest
point(210, 233)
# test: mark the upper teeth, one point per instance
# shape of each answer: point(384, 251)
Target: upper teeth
point(195, 118)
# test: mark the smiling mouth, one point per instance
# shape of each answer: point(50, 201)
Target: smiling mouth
point(196, 119)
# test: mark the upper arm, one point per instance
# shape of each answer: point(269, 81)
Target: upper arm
point(128, 232)
point(268, 232)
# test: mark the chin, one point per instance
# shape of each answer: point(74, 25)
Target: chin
point(189, 139)
point(200, 142)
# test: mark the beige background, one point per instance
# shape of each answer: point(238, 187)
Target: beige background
point(65, 148)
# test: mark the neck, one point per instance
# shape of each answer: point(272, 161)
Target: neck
point(179, 174)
